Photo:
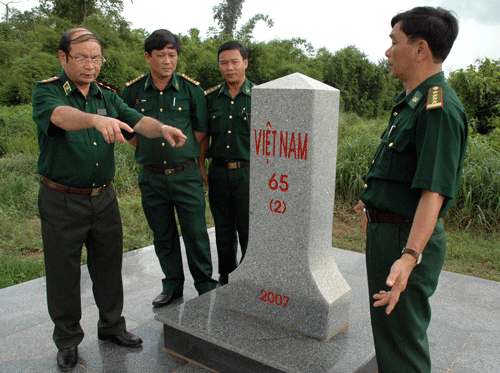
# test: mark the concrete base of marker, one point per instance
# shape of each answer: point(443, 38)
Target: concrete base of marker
point(205, 331)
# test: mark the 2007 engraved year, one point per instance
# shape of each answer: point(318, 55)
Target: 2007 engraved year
point(277, 299)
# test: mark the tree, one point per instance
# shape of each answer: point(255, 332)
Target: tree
point(227, 15)
point(479, 90)
point(246, 31)
point(362, 85)
point(77, 11)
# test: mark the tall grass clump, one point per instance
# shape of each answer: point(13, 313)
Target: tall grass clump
point(478, 200)
point(358, 141)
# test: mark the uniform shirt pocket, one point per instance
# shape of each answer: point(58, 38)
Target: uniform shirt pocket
point(401, 157)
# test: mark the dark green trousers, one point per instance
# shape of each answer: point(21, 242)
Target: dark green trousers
point(182, 191)
point(401, 343)
point(69, 221)
point(229, 202)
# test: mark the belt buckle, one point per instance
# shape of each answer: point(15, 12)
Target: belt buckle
point(232, 165)
point(169, 171)
point(365, 210)
point(96, 191)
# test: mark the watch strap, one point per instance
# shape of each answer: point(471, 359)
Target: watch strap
point(414, 253)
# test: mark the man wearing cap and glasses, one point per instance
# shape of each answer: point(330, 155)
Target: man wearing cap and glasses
point(78, 122)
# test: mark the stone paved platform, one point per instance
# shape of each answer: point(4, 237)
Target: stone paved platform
point(464, 333)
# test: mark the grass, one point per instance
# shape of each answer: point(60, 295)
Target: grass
point(469, 253)
point(472, 225)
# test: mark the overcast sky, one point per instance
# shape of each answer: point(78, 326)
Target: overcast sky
point(363, 23)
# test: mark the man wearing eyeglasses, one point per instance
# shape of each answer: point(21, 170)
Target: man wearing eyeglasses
point(78, 121)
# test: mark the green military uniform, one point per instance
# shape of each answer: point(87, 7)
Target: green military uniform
point(170, 178)
point(79, 159)
point(229, 174)
point(422, 148)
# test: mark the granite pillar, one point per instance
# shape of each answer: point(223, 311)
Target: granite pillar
point(289, 276)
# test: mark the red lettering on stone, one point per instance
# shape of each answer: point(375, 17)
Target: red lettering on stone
point(292, 147)
point(283, 144)
point(274, 142)
point(257, 141)
point(268, 142)
point(302, 151)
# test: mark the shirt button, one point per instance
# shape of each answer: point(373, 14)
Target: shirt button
point(95, 144)
point(229, 131)
point(93, 184)
point(213, 117)
point(97, 164)
point(230, 117)
point(164, 162)
point(373, 161)
point(161, 93)
point(162, 144)
point(391, 144)
point(142, 110)
point(227, 147)
point(161, 110)
point(395, 113)
point(180, 109)
point(244, 118)
point(365, 186)
point(232, 102)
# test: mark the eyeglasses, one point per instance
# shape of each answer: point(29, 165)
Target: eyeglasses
point(82, 61)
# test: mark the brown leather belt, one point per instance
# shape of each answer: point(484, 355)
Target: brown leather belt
point(168, 171)
point(374, 216)
point(232, 165)
point(83, 192)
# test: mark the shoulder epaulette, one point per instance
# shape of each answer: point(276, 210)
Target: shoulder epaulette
point(135, 80)
point(213, 89)
point(53, 79)
point(191, 80)
point(435, 98)
point(105, 86)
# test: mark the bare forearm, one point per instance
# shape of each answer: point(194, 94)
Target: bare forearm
point(149, 127)
point(203, 150)
point(71, 119)
point(425, 220)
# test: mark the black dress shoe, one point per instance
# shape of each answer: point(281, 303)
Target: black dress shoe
point(223, 280)
point(166, 297)
point(124, 339)
point(67, 358)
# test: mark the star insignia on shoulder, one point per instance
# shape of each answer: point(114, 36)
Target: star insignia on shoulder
point(435, 98)
point(53, 79)
point(190, 80)
point(213, 89)
point(135, 80)
point(105, 86)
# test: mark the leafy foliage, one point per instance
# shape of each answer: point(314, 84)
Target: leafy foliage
point(227, 14)
point(479, 90)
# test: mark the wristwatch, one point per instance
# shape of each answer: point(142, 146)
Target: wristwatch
point(414, 253)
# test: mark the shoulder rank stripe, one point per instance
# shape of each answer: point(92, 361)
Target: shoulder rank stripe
point(213, 89)
point(53, 79)
point(105, 86)
point(135, 80)
point(435, 98)
point(191, 80)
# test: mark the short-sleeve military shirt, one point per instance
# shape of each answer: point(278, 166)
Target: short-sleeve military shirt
point(422, 148)
point(181, 104)
point(80, 159)
point(229, 123)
